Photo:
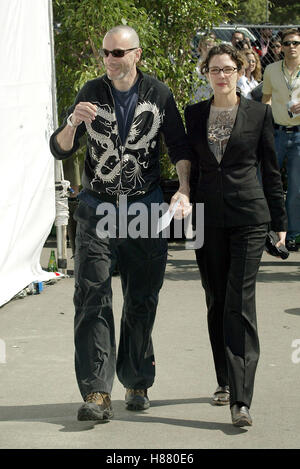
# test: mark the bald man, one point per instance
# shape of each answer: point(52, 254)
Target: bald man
point(123, 115)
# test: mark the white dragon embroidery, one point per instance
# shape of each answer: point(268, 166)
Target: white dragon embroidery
point(109, 164)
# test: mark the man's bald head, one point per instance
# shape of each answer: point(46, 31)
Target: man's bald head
point(126, 32)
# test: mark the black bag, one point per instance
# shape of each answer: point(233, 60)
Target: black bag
point(256, 93)
point(271, 248)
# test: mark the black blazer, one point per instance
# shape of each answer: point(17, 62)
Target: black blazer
point(231, 191)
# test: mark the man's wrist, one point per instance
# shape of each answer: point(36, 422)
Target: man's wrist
point(71, 123)
point(184, 189)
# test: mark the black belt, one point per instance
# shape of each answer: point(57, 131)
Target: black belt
point(294, 128)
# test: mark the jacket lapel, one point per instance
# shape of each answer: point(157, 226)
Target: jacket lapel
point(205, 116)
point(239, 125)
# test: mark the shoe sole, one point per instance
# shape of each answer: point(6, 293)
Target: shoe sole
point(92, 412)
point(242, 422)
point(137, 405)
point(219, 402)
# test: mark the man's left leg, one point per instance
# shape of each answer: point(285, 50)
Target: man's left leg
point(293, 192)
point(142, 264)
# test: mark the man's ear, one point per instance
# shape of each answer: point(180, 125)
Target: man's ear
point(139, 52)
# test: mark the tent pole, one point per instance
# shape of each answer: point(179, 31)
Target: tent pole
point(61, 230)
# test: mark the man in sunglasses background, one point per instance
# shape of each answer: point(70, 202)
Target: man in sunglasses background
point(123, 114)
point(281, 89)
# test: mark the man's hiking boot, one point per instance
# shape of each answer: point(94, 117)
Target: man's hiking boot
point(97, 406)
point(137, 399)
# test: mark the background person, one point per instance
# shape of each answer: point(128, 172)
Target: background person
point(281, 89)
point(236, 37)
point(202, 89)
point(244, 44)
point(230, 136)
point(261, 45)
point(123, 114)
point(274, 53)
point(252, 76)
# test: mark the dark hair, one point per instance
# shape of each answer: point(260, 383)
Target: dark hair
point(237, 31)
point(274, 40)
point(287, 32)
point(221, 49)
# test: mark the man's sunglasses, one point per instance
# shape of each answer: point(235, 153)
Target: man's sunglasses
point(115, 52)
point(291, 43)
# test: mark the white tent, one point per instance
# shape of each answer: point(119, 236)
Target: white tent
point(27, 202)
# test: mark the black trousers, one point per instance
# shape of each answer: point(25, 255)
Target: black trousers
point(141, 263)
point(228, 263)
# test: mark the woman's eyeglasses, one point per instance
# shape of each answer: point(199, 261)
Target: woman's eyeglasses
point(225, 70)
point(115, 53)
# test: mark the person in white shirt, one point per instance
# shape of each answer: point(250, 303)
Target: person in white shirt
point(252, 75)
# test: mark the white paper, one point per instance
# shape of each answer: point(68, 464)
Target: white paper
point(165, 220)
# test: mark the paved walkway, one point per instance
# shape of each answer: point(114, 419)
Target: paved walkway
point(38, 391)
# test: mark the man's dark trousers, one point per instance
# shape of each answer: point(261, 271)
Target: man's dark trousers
point(141, 263)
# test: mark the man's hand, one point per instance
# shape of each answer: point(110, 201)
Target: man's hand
point(295, 109)
point(84, 112)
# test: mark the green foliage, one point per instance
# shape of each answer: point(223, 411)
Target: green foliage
point(252, 12)
point(82, 26)
point(165, 27)
point(260, 11)
point(284, 12)
point(177, 22)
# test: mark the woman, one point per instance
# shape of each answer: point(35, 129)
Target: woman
point(230, 136)
point(252, 76)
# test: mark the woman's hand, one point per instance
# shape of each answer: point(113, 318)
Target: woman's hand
point(281, 235)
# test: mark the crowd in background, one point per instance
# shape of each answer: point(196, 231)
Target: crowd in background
point(266, 49)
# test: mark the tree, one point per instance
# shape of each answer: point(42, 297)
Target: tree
point(165, 27)
point(80, 28)
point(260, 11)
point(177, 22)
point(283, 12)
point(252, 12)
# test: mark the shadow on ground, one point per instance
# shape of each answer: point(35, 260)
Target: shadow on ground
point(64, 415)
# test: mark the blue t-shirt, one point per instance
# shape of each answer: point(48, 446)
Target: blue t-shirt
point(125, 104)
